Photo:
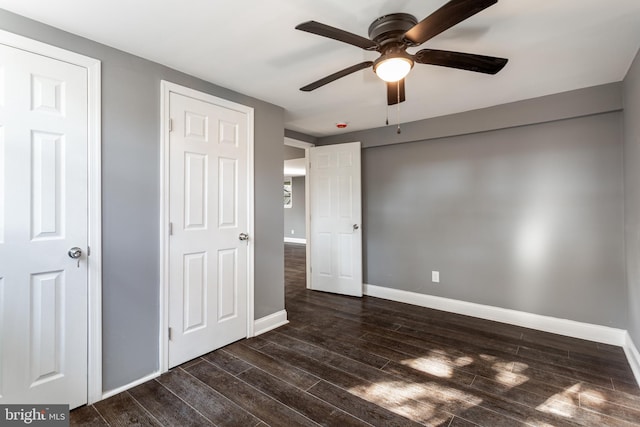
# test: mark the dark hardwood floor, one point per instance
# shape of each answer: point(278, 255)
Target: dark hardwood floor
point(344, 361)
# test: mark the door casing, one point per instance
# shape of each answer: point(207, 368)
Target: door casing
point(94, 260)
point(165, 123)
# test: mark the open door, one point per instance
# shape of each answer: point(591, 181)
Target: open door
point(336, 216)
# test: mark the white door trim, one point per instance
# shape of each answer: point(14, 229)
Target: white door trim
point(307, 205)
point(166, 88)
point(93, 66)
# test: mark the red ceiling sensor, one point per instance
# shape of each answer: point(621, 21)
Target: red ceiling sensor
point(341, 125)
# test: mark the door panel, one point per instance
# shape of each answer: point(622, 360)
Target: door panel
point(208, 210)
point(43, 213)
point(227, 284)
point(195, 291)
point(336, 239)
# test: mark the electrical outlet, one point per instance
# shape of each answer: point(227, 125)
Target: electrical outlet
point(293, 231)
point(435, 276)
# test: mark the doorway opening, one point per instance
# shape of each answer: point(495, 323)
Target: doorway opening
point(296, 203)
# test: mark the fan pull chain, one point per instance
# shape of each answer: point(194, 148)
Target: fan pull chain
point(387, 120)
point(398, 131)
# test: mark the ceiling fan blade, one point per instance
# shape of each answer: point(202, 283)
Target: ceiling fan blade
point(462, 61)
point(444, 18)
point(392, 92)
point(314, 27)
point(336, 76)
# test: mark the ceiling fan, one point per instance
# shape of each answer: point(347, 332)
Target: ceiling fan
point(392, 34)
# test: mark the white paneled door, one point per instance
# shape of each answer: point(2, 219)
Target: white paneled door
point(209, 224)
point(43, 217)
point(336, 236)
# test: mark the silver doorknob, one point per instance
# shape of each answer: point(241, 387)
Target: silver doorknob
point(243, 236)
point(356, 226)
point(75, 252)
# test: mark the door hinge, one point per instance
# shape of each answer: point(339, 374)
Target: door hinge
point(170, 335)
point(88, 250)
point(170, 229)
point(170, 125)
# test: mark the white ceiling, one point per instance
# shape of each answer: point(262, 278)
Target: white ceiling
point(251, 46)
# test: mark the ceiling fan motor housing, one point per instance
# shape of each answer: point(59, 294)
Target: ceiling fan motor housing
point(390, 28)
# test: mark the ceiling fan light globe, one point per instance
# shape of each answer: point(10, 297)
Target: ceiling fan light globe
point(393, 69)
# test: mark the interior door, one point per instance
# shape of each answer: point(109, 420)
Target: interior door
point(43, 217)
point(208, 216)
point(336, 217)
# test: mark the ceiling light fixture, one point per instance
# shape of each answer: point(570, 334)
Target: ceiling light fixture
point(393, 67)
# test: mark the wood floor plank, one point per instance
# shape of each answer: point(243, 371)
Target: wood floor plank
point(363, 409)
point(227, 361)
point(247, 397)
point(307, 364)
point(600, 405)
point(565, 403)
point(211, 404)
point(297, 377)
point(122, 410)
point(439, 392)
point(417, 338)
point(344, 363)
point(614, 397)
point(470, 398)
point(346, 348)
point(391, 395)
point(86, 416)
point(625, 386)
point(460, 422)
point(303, 402)
point(166, 407)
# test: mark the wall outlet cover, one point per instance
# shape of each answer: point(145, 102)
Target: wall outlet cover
point(435, 276)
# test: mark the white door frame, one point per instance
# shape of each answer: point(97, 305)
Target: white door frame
point(166, 89)
point(307, 211)
point(94, 260)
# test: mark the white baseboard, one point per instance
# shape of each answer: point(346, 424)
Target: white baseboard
point(267, 323)
point(295, 240)
point(135, 383)
point(571, 328)
point(633, 356)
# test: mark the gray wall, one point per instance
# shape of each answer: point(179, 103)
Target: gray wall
point(576, 103)
point(294, 217)
point(291, 153)
point(522, 210)
point(300, 136)
point(632, 194)
point(130, 198)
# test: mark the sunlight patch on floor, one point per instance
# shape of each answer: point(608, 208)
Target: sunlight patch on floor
point(430, 366)
point(503, 366)
point(422, 402)
point(463, 361)
point(519, 367)
point(510, 379)
point(564, 404)
point(387, 395)
point(488, 357)
point(593, 397)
